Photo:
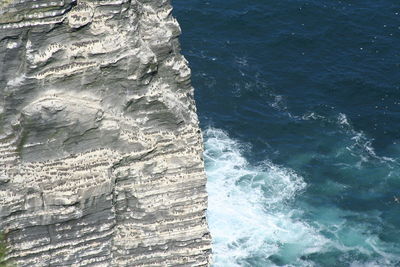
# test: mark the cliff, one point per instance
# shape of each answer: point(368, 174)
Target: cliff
point(100, 148)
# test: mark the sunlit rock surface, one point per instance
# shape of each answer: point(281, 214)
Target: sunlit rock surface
point(100, 148)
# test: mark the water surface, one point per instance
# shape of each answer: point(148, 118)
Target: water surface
point(299, 102)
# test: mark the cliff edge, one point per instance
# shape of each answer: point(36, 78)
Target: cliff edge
point(100, 148)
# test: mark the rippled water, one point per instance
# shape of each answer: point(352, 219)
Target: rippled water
point(299, 102)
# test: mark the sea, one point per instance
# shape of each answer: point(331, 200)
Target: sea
point(299, 104)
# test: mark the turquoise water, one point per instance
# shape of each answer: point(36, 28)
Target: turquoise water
point(299, 102)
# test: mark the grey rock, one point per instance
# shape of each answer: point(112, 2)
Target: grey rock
point(100, 149)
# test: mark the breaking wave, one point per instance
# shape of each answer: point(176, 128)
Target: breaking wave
point(256, 218)
point(250, 212)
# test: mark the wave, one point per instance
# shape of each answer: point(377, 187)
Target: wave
point(360, 145)
point(250, 213)
point(257, 217)
point(355, 142)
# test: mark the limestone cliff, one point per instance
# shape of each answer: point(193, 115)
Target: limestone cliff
point(100, 148)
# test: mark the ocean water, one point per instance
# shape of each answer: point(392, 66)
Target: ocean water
point(299, 102)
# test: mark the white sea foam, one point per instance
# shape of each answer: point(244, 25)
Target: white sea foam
point(249, 213)
point(361, 145)
point(342, 119)
point(279, 103)
point(357, 143)
point(252, 216)
point(311, 116)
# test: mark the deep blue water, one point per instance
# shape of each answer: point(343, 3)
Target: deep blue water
point(299, 102)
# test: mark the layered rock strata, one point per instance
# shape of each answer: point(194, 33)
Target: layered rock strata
point(100, 148)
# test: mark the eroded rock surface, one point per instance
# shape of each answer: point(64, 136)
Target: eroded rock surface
point(100, 148)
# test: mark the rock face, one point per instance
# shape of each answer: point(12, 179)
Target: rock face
point(100, 148)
